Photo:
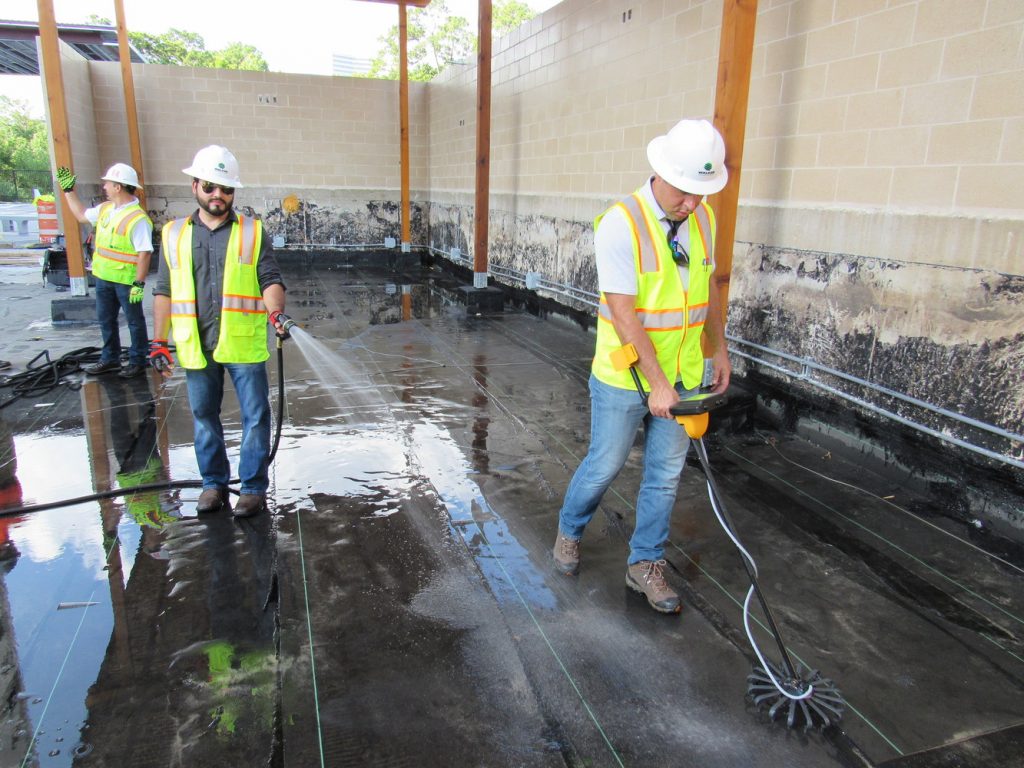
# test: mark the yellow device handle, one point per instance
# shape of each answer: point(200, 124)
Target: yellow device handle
point(695, 424)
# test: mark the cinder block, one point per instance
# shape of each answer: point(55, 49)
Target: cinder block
point(77, 309)
point(489, 299)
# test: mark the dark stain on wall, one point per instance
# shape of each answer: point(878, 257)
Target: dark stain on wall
point(950, 337)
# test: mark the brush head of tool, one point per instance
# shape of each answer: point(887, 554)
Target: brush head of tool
point(813, 700)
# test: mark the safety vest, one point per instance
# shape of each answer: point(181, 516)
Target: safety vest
point(243, 316)
point(115, 259)
point(672, 315)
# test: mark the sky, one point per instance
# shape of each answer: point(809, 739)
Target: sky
point(300, 37)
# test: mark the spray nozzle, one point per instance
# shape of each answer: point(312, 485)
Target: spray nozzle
point(282, 323)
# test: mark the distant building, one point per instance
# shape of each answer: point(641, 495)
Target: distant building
point(19, 224)
point(346, 66)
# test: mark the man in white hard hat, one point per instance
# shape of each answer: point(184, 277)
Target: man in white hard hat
point(120, 264)
point(655, 258)
point(217, 287)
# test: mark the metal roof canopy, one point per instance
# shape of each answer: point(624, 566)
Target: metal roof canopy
point(18, 45)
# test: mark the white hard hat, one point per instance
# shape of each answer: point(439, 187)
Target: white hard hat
point(215, 164)
point(121, 173)
point(690, 157)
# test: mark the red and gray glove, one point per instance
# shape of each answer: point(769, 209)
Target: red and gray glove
point(160, 356)
point(281, 323)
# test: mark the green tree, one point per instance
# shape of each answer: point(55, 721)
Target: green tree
point(24, 152)
point(437, 39)
point(508, 15)
point(179, 47)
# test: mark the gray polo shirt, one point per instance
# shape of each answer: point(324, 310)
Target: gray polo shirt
point(209, 249)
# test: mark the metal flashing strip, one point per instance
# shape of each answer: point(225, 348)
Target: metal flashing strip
point(807, 366)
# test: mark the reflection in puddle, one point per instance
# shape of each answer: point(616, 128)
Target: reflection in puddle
point(504, 562)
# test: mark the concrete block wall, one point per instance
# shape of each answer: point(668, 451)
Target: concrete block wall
point(882, 138)
point(879, 218)
point(331, 142)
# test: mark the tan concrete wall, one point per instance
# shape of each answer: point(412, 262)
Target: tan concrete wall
point(333, 142)
point(881, 136)
point(880, 221)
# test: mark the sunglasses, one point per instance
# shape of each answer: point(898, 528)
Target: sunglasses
point(679, 254)
point(208, 188)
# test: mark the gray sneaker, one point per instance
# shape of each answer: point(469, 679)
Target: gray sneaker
point(646, 578)
point(567, 555)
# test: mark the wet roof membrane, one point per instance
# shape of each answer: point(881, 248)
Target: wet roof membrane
point(398, 605)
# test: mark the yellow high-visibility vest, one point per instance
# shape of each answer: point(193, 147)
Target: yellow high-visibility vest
point(114, 258)
point(672, 315)
point(243, 316)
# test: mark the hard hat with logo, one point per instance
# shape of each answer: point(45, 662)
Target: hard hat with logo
point(122, 173)
point(215, 164)
point(690, 157)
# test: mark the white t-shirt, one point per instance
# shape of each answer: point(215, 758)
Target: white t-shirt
point(613, 245)
point(142, 232)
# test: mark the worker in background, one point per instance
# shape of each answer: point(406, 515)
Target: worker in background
point(654, 265)
point(120, 264)
point(218, 281)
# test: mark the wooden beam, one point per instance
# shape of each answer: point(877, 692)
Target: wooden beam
point(128, 84)
point(481, 200)
point(735, 53)
point(403, 108)
point(60, 136)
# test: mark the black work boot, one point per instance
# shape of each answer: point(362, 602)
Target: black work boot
point(212, 499)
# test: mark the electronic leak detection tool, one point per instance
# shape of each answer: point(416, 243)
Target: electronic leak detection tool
point(803, 696)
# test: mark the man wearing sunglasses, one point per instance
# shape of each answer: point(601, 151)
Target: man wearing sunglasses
point(120, 264)
point(218, 285)
point(655, 258)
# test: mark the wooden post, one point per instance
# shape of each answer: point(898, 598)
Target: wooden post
point(481, 202)
point(128, 83)
point(60, 136)
point(735, 52)
point(403, 108)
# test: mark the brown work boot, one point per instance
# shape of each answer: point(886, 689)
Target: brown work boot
point(249, 504)
point(567, 555)
point(646, 577)
point(211, 499)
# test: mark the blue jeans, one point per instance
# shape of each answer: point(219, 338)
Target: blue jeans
point(615, 415)
point(205, 395)
point(110, 297)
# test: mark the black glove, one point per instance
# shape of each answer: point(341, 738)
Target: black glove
point(66, 178)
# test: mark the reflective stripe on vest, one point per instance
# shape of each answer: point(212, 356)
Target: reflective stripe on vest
point(115, 258)
point(672, 316)
point(243, 335)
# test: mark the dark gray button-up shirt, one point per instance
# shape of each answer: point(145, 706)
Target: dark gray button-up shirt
point(209, 249)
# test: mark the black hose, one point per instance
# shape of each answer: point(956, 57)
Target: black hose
point(280, 399)
point(149, 487)
point(42, 374)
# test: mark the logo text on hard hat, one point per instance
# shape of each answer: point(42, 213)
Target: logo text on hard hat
point(221, 167)
point(708, 169)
